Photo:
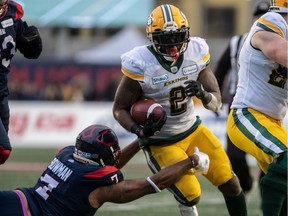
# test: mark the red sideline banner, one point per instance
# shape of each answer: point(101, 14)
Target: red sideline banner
point(56, 124)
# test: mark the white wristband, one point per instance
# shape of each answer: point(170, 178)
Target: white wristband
point(213, 105)
point(153, 184)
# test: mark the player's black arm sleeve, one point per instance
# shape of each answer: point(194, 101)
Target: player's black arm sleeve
point(28, 40)
point(223, 66)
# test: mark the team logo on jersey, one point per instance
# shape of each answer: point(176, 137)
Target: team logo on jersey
point(7, 23)
point(190, 69)
point(179, 79)
point(159, 79)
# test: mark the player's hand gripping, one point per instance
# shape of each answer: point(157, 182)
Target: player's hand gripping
point(201, 162)
point(152, 127)
point(194, 88)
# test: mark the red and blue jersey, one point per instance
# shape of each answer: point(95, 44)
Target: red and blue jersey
point(11, 26)
point(65, 185)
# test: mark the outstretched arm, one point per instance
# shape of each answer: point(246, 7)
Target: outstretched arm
point(129, 190)
point(127, 153)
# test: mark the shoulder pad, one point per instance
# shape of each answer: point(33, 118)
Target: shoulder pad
point(16, 8)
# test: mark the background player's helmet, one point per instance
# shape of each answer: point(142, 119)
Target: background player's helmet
point(98, 145)
point(261, 8)
point(166, 27)
point(3, 7)
point(279, 6)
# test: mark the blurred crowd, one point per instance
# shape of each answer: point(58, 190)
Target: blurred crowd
point(79, 88)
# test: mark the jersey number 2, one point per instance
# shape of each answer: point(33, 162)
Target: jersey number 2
point(177, 104)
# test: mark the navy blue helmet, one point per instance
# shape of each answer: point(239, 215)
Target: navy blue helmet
point(97, 144)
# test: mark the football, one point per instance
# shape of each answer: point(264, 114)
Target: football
point(142, 108)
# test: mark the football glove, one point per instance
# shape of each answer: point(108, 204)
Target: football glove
point(202, 164)
point(30, 33)
point(195, 88)
point(30, 42)
point(153, 127)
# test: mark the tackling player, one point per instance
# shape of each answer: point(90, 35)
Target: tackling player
point(81, 178)
point(14, 34)
point(173, 69)
point(260, 104)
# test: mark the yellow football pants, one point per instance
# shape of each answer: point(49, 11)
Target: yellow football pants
point(188, 187)
point(257, 134)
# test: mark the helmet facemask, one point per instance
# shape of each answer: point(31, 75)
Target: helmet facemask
point(162, 41)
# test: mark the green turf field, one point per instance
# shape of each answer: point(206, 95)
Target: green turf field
point(17, 173)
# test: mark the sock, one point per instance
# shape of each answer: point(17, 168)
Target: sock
point(188, 211)
point(274, 188)
point(271, 203)
point(236, 205)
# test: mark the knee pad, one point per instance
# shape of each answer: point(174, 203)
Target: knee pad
point(4, 154)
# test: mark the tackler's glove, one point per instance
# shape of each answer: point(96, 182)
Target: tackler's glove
point(195, 88)
point(30, 42)
point(201, 161)
point(151, 127)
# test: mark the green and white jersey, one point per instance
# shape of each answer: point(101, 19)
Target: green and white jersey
point(262, 82)
point(165, 83)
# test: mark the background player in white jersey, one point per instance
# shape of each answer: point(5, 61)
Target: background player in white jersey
point(226, 74)
point(260, 104)
point(171, 70)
